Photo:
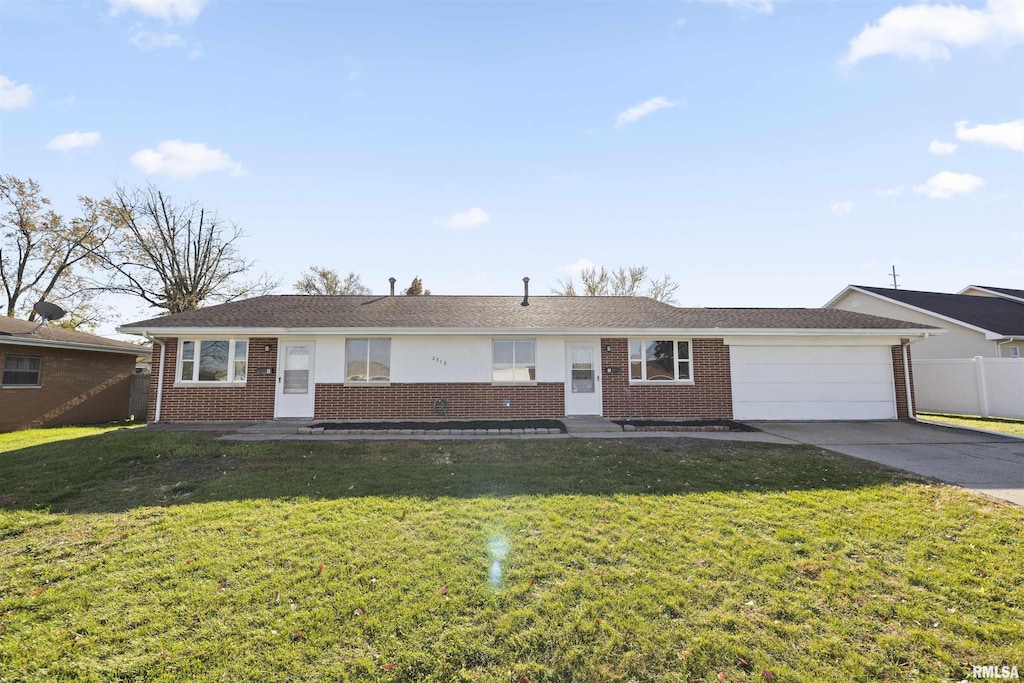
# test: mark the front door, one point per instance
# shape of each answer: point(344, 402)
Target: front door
point(583, 378)
point(295, 378)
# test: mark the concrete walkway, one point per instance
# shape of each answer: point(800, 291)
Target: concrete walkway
point(988, 463)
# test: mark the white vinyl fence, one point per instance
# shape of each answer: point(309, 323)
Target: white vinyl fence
point(990, 387)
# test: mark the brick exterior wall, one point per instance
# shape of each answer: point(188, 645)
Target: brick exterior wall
point(254, 401)
point(77, 387)
point(900, 383)
point(710, 396)
point(416, 401)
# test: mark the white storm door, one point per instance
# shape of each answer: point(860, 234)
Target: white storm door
point(295, 362)
point(582, 378)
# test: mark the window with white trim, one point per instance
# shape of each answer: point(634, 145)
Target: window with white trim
point(1014, 352)
point(368, 360)
point(658, 360)
point(213, 361)
point(22, 371)
point(513, 360)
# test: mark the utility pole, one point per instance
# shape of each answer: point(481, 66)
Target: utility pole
point(894, 275)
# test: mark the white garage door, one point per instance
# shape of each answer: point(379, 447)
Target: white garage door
point(812, 383)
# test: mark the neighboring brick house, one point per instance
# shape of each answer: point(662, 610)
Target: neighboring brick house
point(54, 377)
point(394, 357)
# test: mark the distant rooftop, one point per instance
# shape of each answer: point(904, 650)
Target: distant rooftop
point(13, 330)
point(1001, 316)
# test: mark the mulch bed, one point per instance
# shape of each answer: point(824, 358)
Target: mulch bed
point(442, 424)
point(687, 425)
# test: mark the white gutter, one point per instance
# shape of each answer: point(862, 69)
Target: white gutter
point(160, 377)
point(53, 343)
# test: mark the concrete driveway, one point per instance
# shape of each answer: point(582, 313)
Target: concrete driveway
point(990, 464)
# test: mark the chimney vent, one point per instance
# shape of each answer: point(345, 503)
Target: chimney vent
point(392, 281)
point(526, 292)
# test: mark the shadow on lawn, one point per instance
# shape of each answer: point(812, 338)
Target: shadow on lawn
point(121, 470)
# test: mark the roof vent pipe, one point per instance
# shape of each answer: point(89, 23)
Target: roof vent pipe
point(526, 292)
point(392, 281)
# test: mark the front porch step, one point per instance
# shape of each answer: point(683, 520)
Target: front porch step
point(589, 425)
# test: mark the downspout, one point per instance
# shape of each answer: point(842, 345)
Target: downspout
point(160, 377)
point(906, 376)
point(999, 346)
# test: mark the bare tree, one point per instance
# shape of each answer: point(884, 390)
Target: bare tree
point(628, 281)
point(43, 256)
point(177, 256)
point(318, 280)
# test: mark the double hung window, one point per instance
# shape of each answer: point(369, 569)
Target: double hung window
point(211, 361)
point(656, 360)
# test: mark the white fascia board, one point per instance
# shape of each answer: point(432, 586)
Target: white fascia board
point(993, 292)
point(50, 343)
point(526, 332)
point(838, 296)
point(925, 311)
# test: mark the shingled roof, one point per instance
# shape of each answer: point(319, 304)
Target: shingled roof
point(1012, 293)
point(14, 331)
point(503, 312)
point(1001, 316)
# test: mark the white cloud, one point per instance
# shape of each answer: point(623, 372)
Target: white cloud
point(70, 141)
point(149, 40)
point(634, 114)
point(758, 6)
point(574, 269)
point(842, 208)
point(680, 22)
point(889, 191)
point(180, 159)
point(1009, 134)
point(927, 31)
point(946, 185)
point(470, 218)
point(183, 11)
point(941, 148)
point(14, 96)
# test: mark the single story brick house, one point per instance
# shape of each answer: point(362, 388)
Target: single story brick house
point(399, 357)
point(54, 377)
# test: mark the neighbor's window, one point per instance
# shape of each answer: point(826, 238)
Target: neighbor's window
point(368, 360)
point(1014, 352)
point(213, 360)
point(22, 371)
point(652, 360)
point(514, 360)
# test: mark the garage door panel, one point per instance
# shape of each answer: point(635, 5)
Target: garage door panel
point(778, 372)
point(783, 410)
point(804, 392)
point(807, 354)
point(812, 383)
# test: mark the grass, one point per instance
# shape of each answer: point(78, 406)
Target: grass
point(157, 556)
point(992, 424)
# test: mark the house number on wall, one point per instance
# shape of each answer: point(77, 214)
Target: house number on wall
point(439, 361)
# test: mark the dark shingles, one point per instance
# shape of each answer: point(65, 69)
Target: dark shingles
point(1002, 316)
point(504, 312)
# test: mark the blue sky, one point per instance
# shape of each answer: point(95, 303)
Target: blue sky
point(761, 153)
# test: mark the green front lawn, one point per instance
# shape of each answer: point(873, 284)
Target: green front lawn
point(139, 555)
point(992, 424)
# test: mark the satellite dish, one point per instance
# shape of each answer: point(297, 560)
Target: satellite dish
point(48, 311)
